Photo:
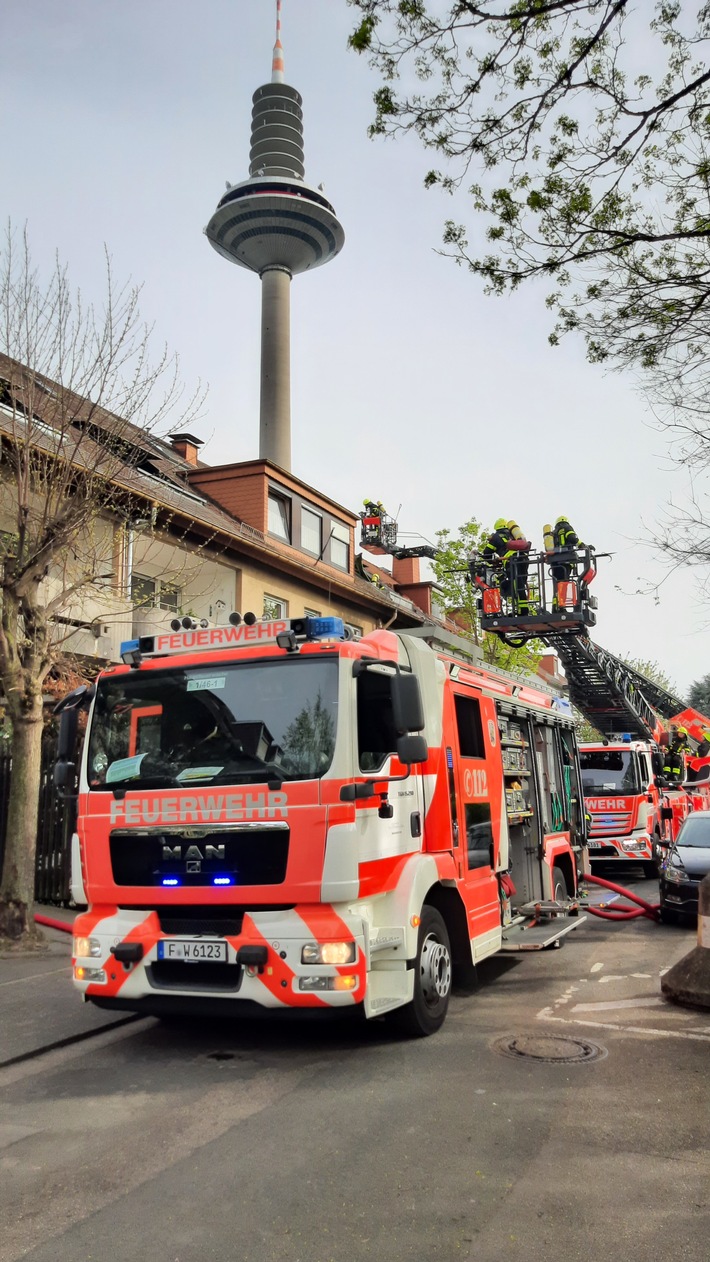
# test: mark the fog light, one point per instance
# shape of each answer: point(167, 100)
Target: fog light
point(90, 975)
point(348, 982)
point(84, 947)
point(313, 983)
point(328, 953)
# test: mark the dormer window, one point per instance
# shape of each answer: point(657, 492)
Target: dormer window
point(279, 517)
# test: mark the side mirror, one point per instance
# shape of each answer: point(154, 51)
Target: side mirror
point(66, 741)
point(407, 708)
point(64, 773)
point(412, 749)
point(666, 812)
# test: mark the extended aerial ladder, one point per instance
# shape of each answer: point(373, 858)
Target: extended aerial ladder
point(559, 610)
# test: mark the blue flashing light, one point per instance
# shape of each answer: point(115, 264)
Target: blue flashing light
point(130, 646)
point(170, 880)
point(222, 880)
point(626, 738)
point(319, 628)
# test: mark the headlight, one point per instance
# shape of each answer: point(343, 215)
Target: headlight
point(675, 873)
point(328, 953)
point(84, 947)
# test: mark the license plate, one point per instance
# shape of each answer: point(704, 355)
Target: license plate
point(188, 949)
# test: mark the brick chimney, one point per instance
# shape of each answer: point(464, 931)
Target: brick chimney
point(187, 446)
point(405, 572)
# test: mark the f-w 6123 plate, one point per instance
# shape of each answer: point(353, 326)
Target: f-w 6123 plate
point(192, 949)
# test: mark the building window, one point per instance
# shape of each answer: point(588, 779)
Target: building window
point(311, 613)
point(311, 531)
point(275, 607)
point(149, 593)
point(279, 517)
point(142, 591)
point(169, 597)
point(340, 546)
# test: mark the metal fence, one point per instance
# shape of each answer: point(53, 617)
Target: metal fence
point(53, 855)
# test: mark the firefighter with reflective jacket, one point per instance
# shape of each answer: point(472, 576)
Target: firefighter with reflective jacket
point(507, 548)
point(676, 753)
point(559, 540)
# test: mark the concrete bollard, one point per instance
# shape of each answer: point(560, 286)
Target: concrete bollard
point(688, 981)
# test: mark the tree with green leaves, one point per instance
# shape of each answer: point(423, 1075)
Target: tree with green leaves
point(580, 130)
point(700, 695)
point(460, 599)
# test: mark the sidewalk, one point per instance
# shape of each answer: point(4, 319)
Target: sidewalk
point(38, 1004)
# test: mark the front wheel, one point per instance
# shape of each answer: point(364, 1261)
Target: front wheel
point(426, 1012)
point(649, 868)
point(560, 892)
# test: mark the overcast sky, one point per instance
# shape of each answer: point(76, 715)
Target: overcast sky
point(121, 123)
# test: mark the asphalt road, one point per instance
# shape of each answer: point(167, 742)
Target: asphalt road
point(309, 1142)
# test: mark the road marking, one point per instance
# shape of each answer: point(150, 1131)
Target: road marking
point(34, 976)
point(595, 968)
point(546, 1015)
point(610, 977)
point(642, 975)
point(618, 1003)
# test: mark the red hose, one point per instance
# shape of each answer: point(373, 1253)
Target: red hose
point(650, 910)
point(53, 924)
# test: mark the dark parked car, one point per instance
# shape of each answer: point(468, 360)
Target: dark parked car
point(684, 865)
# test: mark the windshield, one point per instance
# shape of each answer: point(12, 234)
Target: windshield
point(226, 724)
point(609, 771)
point(695, 831)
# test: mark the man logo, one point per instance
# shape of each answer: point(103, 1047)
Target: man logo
point(193, 853)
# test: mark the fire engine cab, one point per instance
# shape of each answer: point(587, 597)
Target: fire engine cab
point(274, 814)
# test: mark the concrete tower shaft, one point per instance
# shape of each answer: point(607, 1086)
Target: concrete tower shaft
point(274, 224)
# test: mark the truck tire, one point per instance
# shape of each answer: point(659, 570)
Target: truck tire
point(559, 885)
point(426, 1012)
point(649, 868)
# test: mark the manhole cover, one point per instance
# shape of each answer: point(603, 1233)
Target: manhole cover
point(550, 1049)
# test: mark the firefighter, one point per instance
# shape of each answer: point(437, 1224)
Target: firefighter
point(557, 541)
point(676, 751)
point(506, 548)
point(373, 508)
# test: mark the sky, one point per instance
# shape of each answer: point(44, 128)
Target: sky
point(122, 122)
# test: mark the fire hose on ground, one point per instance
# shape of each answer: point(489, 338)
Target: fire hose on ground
point(651, 910)
point(50, 923)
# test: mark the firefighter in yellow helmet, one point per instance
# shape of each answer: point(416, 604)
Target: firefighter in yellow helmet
point(558, 541)
point(507, 547)
point(676, 753)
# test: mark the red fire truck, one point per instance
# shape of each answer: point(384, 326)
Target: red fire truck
point(630, 812)
point(273, 814)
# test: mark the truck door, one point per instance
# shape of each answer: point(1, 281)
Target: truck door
point(478, 795)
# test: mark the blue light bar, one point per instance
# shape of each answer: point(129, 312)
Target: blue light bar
point(222, 880)
point(626, 738)
point(319, 628)
point(170, 880)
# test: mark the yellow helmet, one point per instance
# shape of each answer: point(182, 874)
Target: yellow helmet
point(500, 523)
point(560, 520)
point(682, 731)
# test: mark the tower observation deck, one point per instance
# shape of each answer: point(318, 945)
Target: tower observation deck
point(275, 225)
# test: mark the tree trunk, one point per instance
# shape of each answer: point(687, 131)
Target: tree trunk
point(18, 875)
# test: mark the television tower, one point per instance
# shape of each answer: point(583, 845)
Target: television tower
point(274, 224)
